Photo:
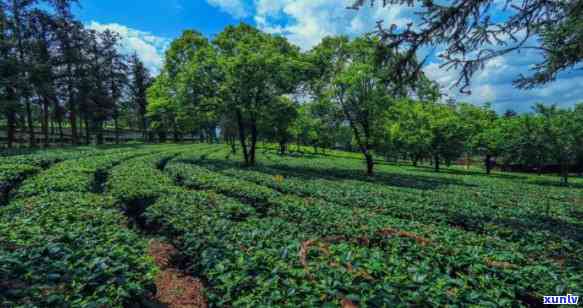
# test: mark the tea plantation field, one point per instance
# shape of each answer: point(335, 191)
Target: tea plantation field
point(77, 227)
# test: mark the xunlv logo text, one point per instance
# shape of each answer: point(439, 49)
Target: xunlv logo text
point(564, 299)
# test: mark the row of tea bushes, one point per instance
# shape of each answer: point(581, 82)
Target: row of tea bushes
point(141, 180)
point(343, 253)
point(15, 169)
point(433, 208)
point(45, 158)
point(11, 175)
point(64, 246)
point(70, 249)
point(78, 175)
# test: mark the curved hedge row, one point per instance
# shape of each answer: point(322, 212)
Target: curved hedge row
point(431, 208)
point(79, 175)
point(63, 246)
point(10, 175)
point(70, 249)
point(306, 251)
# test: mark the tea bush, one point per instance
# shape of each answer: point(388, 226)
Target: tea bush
point(70, 249)
point(304, 231)
point(351, 251)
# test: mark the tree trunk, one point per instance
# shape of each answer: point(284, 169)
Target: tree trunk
point(11, 121)
point(298, 144)
point(369, 164)
point(233, 145)
point(144, 127)
point(242, 137)
point(99, 137)
point(87, 132)
point(116, 125)
point(488, 163)
point(175, 133)
point(30, 124)
point(73, 118)
point(61, 134)
point(564, 173)
point(45, 122)
point(436, 162)
point(253, 143)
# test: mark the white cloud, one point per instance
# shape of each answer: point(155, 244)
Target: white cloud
point(494, 84)
point(150, 48)
point(236, 8)
point(306, 22)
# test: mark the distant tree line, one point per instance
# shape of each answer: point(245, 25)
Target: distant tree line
point(353, 94)
point(56, 74)
point(246, 86)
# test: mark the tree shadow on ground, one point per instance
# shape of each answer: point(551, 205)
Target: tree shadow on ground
point(556, 184)
point(519, 226)
point(4, 153)
point(309, 173)
point(472, 173)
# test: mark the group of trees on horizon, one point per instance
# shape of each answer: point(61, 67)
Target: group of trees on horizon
point(361, 94)
point(56, 74)
point(344, 93)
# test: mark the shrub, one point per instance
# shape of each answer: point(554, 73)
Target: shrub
point(70, 249)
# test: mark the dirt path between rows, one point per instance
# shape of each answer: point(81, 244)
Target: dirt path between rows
point(174, 288)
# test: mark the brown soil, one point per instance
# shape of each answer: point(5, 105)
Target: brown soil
point(175, 289)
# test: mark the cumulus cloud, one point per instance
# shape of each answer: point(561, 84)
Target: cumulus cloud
point(494, 84)
point(150, 48)
point(306, 22)
point(236, 8)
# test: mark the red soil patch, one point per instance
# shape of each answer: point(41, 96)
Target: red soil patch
point(346, 303)
point(175, 289)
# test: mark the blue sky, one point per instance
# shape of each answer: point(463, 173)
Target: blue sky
point(148, 26)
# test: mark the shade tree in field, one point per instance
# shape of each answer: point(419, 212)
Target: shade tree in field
point(408, 133)
point(257, 68)
point(140, 80)
point(182, 97)
point(276, 125)
point(428, 129)
point(485, 135)
point(239, 80)
point(360, 78)
point(563, 134)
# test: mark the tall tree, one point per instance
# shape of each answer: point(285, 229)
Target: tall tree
point(563, 134)
point(9, 105)
point(257, 68)
point(138, 87)
point(362, 80)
